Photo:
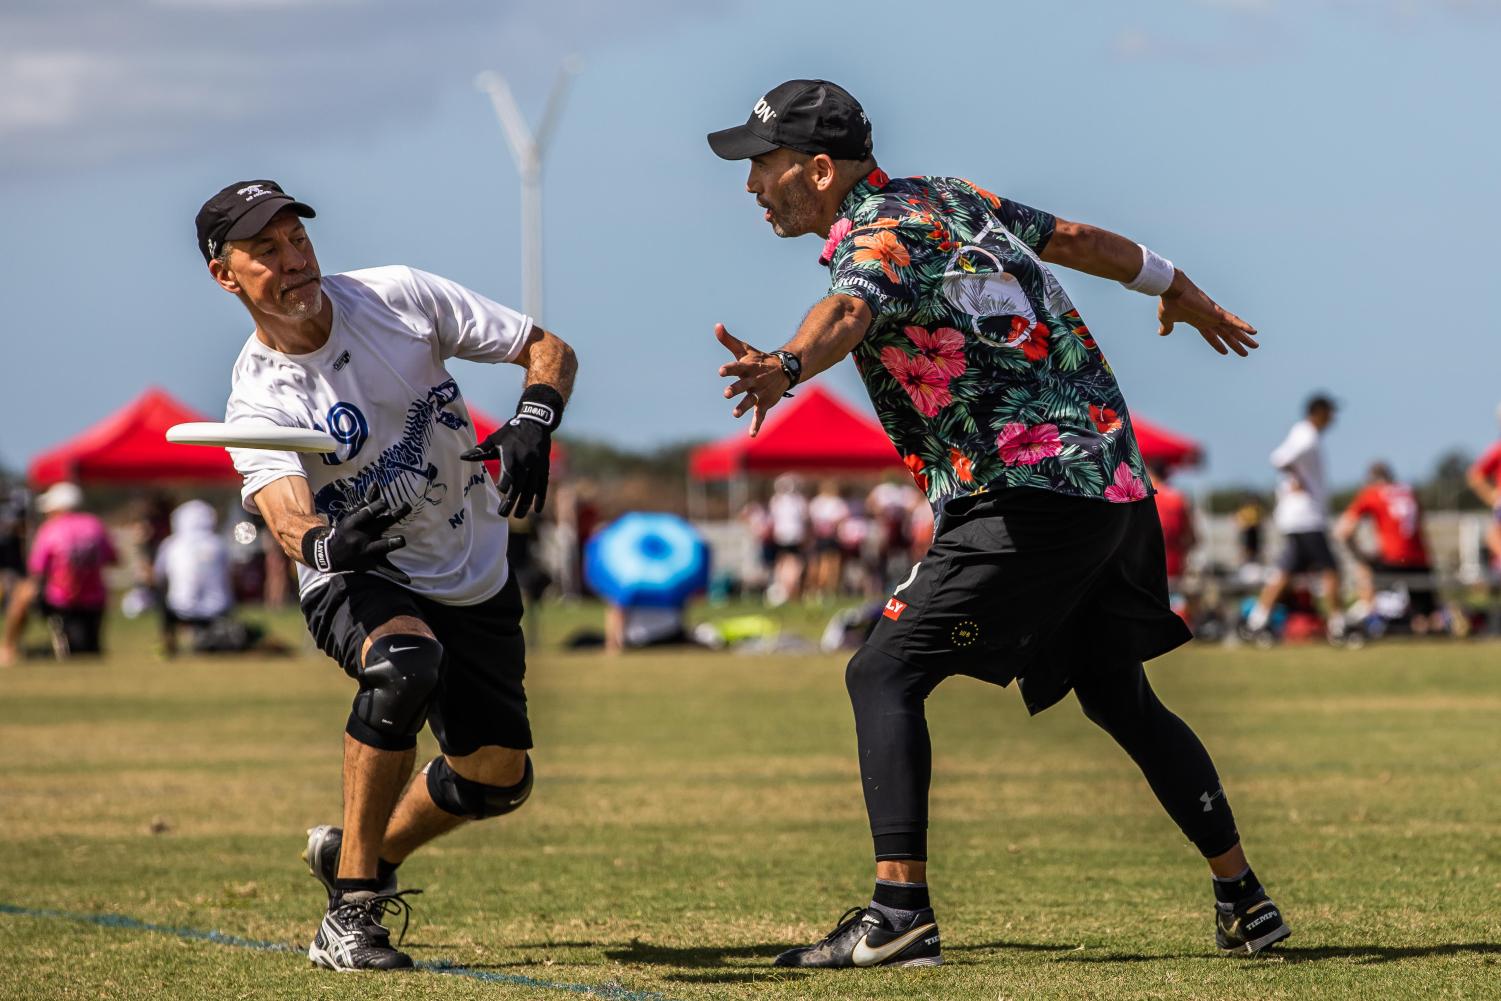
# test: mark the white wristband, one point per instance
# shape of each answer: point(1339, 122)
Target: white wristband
point(1155, 276)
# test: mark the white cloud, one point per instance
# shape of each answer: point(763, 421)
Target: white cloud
point(91, 81)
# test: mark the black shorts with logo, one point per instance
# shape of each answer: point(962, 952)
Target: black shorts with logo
point(1037, 586)
point(480, 700)
point(1306, 552)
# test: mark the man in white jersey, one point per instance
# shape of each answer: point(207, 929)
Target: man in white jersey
point(1302, 516)
point(427, 621)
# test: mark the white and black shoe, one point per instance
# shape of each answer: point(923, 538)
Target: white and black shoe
point(351, 936)
point(322, 858)
point(1253, 925)
point(864, 938)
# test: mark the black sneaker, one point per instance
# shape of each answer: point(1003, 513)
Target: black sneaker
point(322, 858)
point(1253, 925)
point(864, 938)
point(351, 936)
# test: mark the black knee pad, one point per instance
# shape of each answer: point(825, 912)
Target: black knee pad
point(397, 683)
point(474, 800)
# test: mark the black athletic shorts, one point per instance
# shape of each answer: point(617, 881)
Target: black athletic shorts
point(1038, 586)
point(1420, 595)
point(480, 700)
point(1306, 552)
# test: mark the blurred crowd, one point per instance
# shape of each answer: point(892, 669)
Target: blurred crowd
point(823, 540)
point(836, 540)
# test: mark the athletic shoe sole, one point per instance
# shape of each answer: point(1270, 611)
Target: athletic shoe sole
point(1255, 945)
point(316, 837)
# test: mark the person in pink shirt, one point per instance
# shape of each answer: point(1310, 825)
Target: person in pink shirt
point(64, 576)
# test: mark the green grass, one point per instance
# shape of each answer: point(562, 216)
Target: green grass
point(696, 813)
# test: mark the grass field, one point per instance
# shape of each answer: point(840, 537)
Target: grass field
point(694, 814)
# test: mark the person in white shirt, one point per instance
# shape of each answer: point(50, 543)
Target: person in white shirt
point(788, 510)
point(1302, 516)
point(826, 512)
point(191, 570)
point(427, 621)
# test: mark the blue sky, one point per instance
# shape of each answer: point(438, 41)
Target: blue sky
point(1326, 169)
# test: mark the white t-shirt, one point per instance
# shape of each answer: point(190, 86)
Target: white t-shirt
point(1301, 510)
point(380, 388)
point(194, 563)
point(827, 511)
point(789, 518)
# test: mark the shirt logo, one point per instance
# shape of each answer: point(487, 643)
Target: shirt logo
point(763, 111)
point(253, 191)
point(965, 633)
point(342, 361)
point(894, 608)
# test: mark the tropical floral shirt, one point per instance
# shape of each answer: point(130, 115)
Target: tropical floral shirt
point(981, 369)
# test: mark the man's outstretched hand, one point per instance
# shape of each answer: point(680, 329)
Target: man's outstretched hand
point(358, 541)
point(1188, 304)
point(757, 374)
point(524, 448)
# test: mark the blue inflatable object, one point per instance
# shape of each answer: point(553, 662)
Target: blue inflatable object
point(644, 560)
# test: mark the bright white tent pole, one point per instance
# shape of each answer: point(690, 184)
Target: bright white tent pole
point(527, 149)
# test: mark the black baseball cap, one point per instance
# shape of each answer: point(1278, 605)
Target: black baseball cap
point(810, 116)
point(242, 210)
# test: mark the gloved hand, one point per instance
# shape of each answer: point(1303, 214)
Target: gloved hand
point(523, 445)
point(358, 541)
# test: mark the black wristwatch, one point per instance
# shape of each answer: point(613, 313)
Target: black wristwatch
point(792, 368)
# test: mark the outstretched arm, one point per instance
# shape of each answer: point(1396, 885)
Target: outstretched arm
point(1105, 254)
point(830, 331)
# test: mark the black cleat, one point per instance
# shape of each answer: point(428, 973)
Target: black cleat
point(864, 938)
point(1253, 925)
point(322, 858)
point(351, 936)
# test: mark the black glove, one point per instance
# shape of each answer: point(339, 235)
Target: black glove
point(358, 541)
point(524, 445)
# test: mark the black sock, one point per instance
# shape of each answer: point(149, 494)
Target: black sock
point(385, 870)
point(1231, 890)
point(343, 886)
point(900, 902)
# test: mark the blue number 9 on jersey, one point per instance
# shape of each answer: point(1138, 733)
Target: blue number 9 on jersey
point(347, 426)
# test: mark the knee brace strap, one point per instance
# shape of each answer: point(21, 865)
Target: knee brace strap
point(474, 800)
point(401, 673)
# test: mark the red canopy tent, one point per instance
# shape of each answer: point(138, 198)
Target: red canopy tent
point(1160, 447)
point(816, 431)
point(130, 446)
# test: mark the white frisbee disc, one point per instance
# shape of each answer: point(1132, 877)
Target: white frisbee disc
point(251, 434)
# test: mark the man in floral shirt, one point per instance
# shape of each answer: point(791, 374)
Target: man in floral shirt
point(1047, 563)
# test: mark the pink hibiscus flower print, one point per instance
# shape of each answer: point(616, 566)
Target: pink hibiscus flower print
point(944, 347)
point(1126, 488)
point(1027, 446)
point(837, 232)
point(927, 387)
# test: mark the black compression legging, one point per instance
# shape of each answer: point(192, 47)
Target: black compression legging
point(896, 757)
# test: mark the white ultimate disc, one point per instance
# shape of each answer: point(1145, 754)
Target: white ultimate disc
point(252, 434)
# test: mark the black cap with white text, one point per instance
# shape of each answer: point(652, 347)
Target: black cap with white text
point(810, 116)
point(240, 211)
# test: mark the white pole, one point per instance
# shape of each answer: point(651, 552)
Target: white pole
point(527, 149)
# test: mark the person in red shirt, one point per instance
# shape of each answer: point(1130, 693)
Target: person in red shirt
point(1175, 511)
point(1394, 509)
point(1485, 480)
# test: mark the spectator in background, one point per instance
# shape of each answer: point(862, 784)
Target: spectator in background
point(1178, 534)
point(854, 540)
point(758, 523)
point(65, 577)
point(788, 509)
point(1301, 515)
point(826, 512)
point(1485, 479)
point(191, 573)
point(14, 506)
point(890, 504)
point(1249, 520)
point(1394, 509)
